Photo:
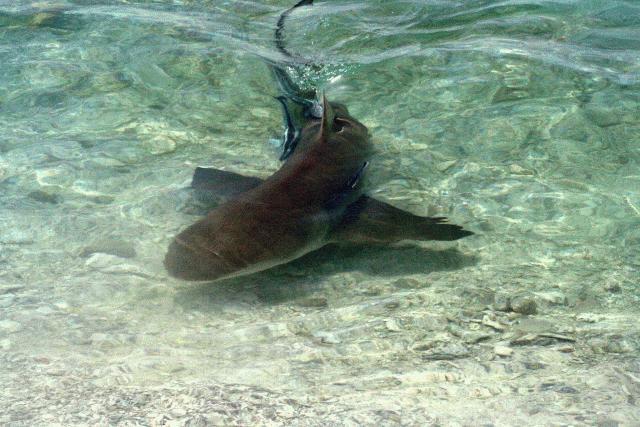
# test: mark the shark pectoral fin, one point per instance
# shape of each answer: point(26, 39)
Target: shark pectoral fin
point(368, 220)
point(218, 185)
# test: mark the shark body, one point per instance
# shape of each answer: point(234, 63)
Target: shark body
point(287, 215)
point(315, 198)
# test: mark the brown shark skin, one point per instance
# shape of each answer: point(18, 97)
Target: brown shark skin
point(365, 221)
point(288, 215)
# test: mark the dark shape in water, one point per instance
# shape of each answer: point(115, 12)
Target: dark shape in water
point(279, 35)
point(315, 198)
point(298, 105)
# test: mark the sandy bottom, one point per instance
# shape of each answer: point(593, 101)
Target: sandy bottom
point(95, 333)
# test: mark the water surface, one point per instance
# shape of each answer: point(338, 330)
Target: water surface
point(518, 119)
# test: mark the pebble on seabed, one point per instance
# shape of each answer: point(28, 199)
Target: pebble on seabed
point(10, 326)
point(524, 305)
point(7, 300)
point(502, 350)
point(110, 246)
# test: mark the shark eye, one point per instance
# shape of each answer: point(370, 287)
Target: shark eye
point(339, 124)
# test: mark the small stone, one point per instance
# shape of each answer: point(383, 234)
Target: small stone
point(526, 339)
point(443, 166)
point(106, 162)
point(502, 301)
point(612, 344)
point(477, 297)
point(519, 170)
point(98, 337)
point(178, 412)
point(87, 189)
point(567, 389)
point(327, 337)
point(558, 337)
point(7, 300)
point(260, 113)
point(447, 351)
point(409, 283)
point(587, 317)
point(198, 421)
point(44, 197)
point(313, 302)
point(493, 324)
point(534, 325)
point(62, 305)
point(506, 93)
point(159, 419)
point(10, 289)
point(160, 144)
point(392, 305)
point(602, 116)
point(214, 419)
point(120, 248)
point(371, 291)
point(102, 199)
point(10, 326)
point(40, 19)
point(524, 305)
point(552, 297)
point(106, 263)
point(471, 337)
point(502, 350)
point(543, 338)
point(536, 366)
point(392, 325)
point(14, 236)
point(481, 393)
point(612, 287)
point(607, 422)
point(472, 168)
point(45, 310)
point(423, 345)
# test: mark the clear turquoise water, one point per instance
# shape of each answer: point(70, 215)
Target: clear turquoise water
point(518, 119)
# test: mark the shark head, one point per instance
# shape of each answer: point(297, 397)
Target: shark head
point(330, 158)
point(303, 121)
point(337, 133)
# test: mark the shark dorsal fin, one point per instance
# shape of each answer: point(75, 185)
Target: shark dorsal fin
point(328, 116)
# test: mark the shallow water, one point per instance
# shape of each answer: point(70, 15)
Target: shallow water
point(518, 119)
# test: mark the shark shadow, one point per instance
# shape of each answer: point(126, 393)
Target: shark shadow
point(306, 275)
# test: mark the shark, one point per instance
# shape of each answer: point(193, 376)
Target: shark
point(317, 197)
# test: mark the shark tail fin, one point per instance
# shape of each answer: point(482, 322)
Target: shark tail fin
point(371, 221)
point(280, 44)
